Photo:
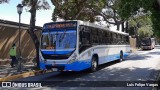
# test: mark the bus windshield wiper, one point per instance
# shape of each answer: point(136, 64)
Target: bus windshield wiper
point(62, 37)
point(55, 40)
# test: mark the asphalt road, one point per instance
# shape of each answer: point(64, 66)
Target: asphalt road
point(139, 66)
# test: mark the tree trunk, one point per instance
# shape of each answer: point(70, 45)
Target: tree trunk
point(123, 29)
point(32, 27)
point(127, 27)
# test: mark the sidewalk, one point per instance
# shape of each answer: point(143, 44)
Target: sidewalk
point(6, 70)
point(7, 73)
point(7, 61)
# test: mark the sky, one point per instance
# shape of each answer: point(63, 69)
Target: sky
point(8, 11)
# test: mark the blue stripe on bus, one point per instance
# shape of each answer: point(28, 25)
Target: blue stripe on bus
point(110, 58)
point(84, 64)
point(78, 65)
point(56, 52)
point(42, 66)
point(125, 55)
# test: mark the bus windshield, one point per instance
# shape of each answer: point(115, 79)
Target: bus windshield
point(59, 39)
point(146, 41)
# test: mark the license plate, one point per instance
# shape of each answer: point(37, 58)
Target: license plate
point(54, 69)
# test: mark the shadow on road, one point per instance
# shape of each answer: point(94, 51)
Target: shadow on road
point(157, 47)
point(138, 57)
point(154, 53)
point(104, 77)
point(104, 74)
point(101, 78)
point(71, 75)
point(63, 76)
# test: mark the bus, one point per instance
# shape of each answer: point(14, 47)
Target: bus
point(78, 45)
point(147, 43)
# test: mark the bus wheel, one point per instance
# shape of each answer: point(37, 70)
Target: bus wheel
point(94, 64)
point(121, 56)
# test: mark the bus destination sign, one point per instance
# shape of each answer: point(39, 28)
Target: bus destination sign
point(60, 25)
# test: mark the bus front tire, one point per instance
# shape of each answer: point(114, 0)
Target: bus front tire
point(94, 64)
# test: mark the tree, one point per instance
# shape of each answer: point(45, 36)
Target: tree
point(138, 22)
point(129, 8)
point(155, 17)
point(87, 10)
point(145, 31)
point(35, 5)
point(77, 9)
point(110, 14)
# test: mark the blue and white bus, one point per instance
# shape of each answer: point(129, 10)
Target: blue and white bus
point(78, 45)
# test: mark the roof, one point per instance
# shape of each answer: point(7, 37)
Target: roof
point(16, 24)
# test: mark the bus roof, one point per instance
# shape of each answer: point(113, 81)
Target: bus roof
point(85, 23)
point(100, 27)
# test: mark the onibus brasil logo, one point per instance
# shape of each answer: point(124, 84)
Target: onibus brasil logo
point(20, 84)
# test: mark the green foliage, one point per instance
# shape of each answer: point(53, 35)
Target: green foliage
point(77, 9)
point(145, 31)
point(144, 21)
point(140, 21)
point(128, 8)
point(132, 23)
point(41, 4)
point(143, 24)
point(156, 22)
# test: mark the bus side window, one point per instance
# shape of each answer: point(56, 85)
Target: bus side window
point(86, 38)
point(80, 37)
point(81, 32)
point(94, 36)
point(84, 35)
point(127, 39)
point(112, 38)
point(108, 38)
point(120, 38)
point(103, 37)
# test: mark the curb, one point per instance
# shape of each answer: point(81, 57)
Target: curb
point(23, 75)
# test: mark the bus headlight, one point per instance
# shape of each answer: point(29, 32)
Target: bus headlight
point(73, 58)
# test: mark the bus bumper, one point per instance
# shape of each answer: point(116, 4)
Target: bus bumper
point(75, 66)
point(146, 47)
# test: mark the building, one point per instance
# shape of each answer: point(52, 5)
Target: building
point(9, 34)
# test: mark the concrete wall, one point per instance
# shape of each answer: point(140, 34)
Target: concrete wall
point(9, 35)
